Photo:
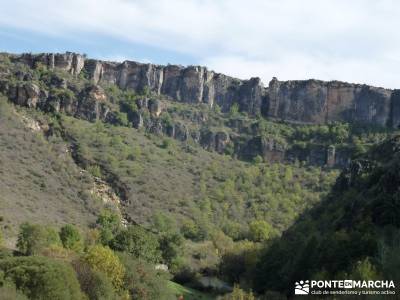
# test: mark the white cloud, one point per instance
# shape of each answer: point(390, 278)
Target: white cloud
point(327, 39)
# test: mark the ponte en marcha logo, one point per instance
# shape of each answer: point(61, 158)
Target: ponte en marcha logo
point(344, 287)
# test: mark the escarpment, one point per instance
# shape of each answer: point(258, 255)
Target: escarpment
point(193, 84)
point(37, 81)
point(304, 101)
point(317, 102)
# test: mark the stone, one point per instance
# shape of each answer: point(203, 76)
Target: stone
point(92, 104)
point(137, 120)
point(303, 101)
point(28, 95)
point(214, 141)
point(319, 102)
point(395, 109)
point(155, 107)
point(70, 62)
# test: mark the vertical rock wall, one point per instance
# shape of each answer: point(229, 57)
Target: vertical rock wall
point(304, 101)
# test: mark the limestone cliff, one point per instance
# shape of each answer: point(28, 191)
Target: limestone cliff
point(305, 101)
point(193, 84)
point(317, 102)
point(84, 93)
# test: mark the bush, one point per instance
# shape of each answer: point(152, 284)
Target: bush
point(258, 159)
point(171, 246)
point(260, 231)
point(239, 294)
point(190, 230)
point(33, 238)
point(121, 118)
point(234, 110)
point(41, 278)
point(104, 260)
point(144, 282)
point(140, 243)
point(71, 238)
point(109, 223)
point(95, 284)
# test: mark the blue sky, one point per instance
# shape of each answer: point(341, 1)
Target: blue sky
point(355, 41)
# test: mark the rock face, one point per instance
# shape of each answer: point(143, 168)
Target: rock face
point(307, 101)
point(92, 104)
point(304, 101)
point(317, 102)
point(70, 62)
point(193, 84)
point(27, 94)
point(216, 141)
point(395, 109)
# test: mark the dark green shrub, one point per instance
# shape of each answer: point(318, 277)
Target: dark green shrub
point(95, 284)
point(140, 243)
point(144, 282)
point(71, 237)
point(33, 238)
point(171, 246)
point(42, 278)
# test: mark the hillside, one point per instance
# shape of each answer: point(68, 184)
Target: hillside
point(125, 138)
point(353, 233)
point(206, 171)
point(165, 101)
point(39, 181)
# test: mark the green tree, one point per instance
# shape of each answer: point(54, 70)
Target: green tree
point(121, 118)
point(364, 270)
point(109, 223)
point(234, 110)
point(171, 246)
point(71, 237)
point(260, 231)
point(144, 282)
point(189, 229)
point(257, 159)
point(33, 238)
point(163, 222)
point(239, 294)
point(109, 219)
point(140, 243)
point(42, 278)
point(95, 284)
point(103, 259)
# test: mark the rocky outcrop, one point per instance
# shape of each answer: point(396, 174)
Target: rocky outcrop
point(317, 102)
point(70, 62)
point(193, 84)
point(304, 101)
point(214, 141)
point(90, 104)
point(307, 101)
point(395, 109)
point(27, 94)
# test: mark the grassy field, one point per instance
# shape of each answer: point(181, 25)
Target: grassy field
point(188, 293)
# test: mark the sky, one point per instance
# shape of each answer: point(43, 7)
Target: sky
point(354, 41)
